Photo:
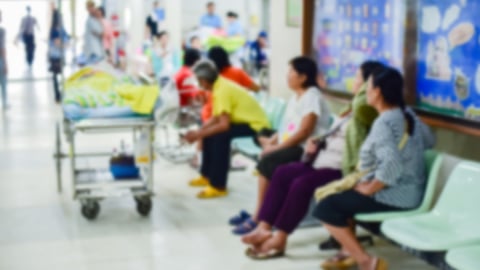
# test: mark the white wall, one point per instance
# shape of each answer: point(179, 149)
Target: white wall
point(285, 44)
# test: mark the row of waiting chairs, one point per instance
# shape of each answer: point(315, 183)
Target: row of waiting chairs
point(451, 225)
point(445, 223)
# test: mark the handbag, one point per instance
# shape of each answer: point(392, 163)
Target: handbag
point(321, 142)
point(349, 181)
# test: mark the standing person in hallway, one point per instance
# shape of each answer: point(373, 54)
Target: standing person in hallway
point(234, 27)
point(55, 57)
point(27, 34)
point(211, 19)
point(108, 37)
point(93, 46)
point(165, 60)
point(155, 20)
point(3, 65)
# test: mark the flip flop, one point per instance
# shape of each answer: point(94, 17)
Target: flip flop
point(380, 264)
point(271, 254)
point(239, 219)
point(246, 227)
point(211, 193)
point(339, 261)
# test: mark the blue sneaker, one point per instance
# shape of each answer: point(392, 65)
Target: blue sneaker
point(248, 226)
point(239, 219)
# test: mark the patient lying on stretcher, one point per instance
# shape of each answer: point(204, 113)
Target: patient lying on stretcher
point(99, 92)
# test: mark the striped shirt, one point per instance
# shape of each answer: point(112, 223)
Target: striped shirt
point(402, 171)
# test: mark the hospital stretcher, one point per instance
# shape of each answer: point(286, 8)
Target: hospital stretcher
point(90, 186)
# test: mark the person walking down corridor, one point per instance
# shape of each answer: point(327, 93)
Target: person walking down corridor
point(3, 65)
point(27, 34)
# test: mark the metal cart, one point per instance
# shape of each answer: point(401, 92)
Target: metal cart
point(93, 185)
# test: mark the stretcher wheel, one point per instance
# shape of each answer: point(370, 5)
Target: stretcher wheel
point(90, 210)
point(144, 205)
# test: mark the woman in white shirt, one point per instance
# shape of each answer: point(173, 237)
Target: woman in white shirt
point(307, 114)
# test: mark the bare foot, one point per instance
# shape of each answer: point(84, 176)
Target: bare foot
point(258, 236)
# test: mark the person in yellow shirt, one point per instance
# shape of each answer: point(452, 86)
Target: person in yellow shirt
point(235, 114)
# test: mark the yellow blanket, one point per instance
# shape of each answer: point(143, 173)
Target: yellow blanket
point(91, 88)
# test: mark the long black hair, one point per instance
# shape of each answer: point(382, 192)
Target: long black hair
point(306, 66)
point(219, 56)
point(390, 82)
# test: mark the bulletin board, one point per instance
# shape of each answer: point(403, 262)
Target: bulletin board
point(434, 43)
point(448, 62)
point(348, 32)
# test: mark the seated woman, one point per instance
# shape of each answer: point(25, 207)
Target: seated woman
point(307, 114)
point(292, 186)
point(396, 177)
point(235, 114)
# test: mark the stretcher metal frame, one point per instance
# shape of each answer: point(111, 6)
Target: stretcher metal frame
point(88, 187)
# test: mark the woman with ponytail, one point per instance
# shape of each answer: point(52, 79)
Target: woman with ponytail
point(393, 156)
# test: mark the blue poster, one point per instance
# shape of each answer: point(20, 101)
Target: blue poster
point(349, 32)
point(448, 79)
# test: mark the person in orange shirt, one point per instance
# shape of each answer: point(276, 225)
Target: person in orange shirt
point(219, 56)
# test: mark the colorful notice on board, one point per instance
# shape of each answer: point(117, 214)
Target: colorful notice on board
point(448, 79)
point(349, 32)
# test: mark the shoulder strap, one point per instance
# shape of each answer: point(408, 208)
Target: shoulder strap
point(405, 137)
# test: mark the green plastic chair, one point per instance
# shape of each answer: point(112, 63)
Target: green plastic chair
point(433, 162)
point(464, 258)
point(247, 147)
point(275, 108)
point(454, 220)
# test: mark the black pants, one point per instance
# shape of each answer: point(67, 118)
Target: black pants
point(56, 69)
point(338, 209)
point(269, 163)
point(216, 154)
point(29, 40)
point(56, 87)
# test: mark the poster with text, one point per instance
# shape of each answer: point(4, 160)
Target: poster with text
point(448, 79)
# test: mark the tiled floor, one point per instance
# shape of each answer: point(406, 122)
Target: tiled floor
point(40, 229)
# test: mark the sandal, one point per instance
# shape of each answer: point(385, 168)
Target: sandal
point(246, 227)
point(339, 261)
point(259, 256)
point(199, 182)
point(380, 264)
point(211, 193)
point(239, 219)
